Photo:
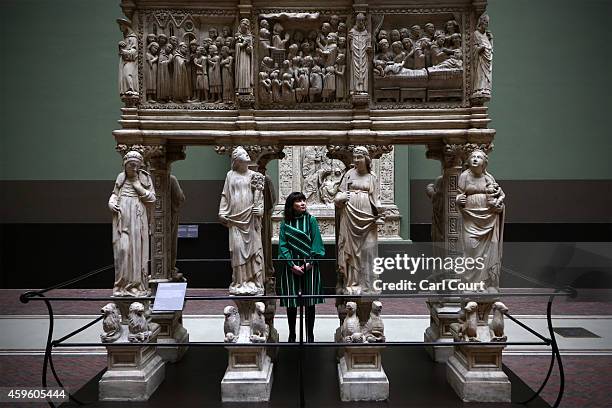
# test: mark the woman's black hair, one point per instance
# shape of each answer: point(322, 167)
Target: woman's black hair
point(292, 198)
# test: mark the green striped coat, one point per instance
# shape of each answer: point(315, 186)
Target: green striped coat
point(300, 238)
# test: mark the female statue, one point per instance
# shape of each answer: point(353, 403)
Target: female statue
point(359, 207)
point(483, 61)
point(241, 210)
point(244, 57)
point(359, 43)
point(481, 203)
point(132, 194)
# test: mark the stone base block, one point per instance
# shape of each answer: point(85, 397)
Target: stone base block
point(174, 354)
point(477, 385)
point(439, 354)
point(132, 384)
point(250, 383)
point(361, 376)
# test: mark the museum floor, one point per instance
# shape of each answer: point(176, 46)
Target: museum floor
point(587, 361)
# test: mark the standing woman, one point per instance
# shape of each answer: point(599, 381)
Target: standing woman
point(300, 238)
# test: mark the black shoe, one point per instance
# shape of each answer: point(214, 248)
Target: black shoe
point(291, 338)
point(310, 338)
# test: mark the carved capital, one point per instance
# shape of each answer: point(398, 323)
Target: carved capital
point(344, 153)
point(148, 152)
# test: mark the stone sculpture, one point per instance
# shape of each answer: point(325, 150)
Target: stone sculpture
point(361, 48)
point(241, 210)
point(374, 329)
point(138, 324)
point(227, 74)
point(180, 75)
point(164, 85)
point(132, 195)
point(350, 330)
point(152, 58)
point(435, 194)
point(177, 198)
point(244, 58)
point(128, 55)
point(231, 326)
point(481, 204)
point(111, 324)
point(496, 325)
point(470, 325)
point(214, 74)
point(359, 211)
point(259, 329)
point(483, 61)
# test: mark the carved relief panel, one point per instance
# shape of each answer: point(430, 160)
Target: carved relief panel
point(302, 59)
point(420, 57)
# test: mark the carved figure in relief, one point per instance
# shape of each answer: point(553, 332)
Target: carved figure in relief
point(213, 34)
point(200, 63)
point(374, 329)
point(439, 52)
point(128, 55)
point(359, 209)
point(227, 74)
point(340, 68)
point(267, 65)
point(265, 88)
point(151, 59)
point(259, 329)
point(138, 324)
point(276, 85)
point(481, 204)
point(191, 69)
point(214, 74)
point(435, 193)
point(429, 31)
point(451, 27)
point(163, 69)
point(241, 210)
point(351, 329)
point(287, 91)
point(316, 84)
point(303, 85)
point(278, 40)
point(228, 40)
point(361, 49)
point(264, 35)
point(329, 84)
point(244, 58)
point(329, 180)
point(496, 325)
point(111, 324)
point(177, 198)
point(334, 20)
point(132, 194)
point(322, 37)
point(180, 75)
point(483, 61)
point(455, 58)
point(231, 325)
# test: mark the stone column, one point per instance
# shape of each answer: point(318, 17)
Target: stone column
point(445, 236)
point(162, 269)
point(446, 227)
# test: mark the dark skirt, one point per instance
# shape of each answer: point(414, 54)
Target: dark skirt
point(310, 283)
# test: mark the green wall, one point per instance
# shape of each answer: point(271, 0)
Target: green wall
point(58, 82)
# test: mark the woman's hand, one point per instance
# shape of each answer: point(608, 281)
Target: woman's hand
point(258, 211)
point(462, 199)
point(115, 208)
point(297, 270)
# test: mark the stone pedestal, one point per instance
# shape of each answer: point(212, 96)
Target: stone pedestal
point(441, 315)
point(171, 331)
point(134, 373)
point(248, 377)
point(476, 374)
point(361, 376)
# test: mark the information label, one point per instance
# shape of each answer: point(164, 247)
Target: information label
point(170, 297)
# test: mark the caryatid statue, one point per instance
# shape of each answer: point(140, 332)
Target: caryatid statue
point(244, 58)
point(130, 203)
point(360, 212)
point(481, 204)
point(361, 49)
point(241, 210)
point(128, 55)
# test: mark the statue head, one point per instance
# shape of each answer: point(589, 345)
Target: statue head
point(325, 28)
point(351, 308)
point(278, 29)
point(125, 26)
point(360, 22)
point(333, 20)
point(264, 24)
point(182, 47)
point(212, 33)
point(377, 307)
point(213, 50)
point(383, 45)
point(407, 44)
point(225, 51)
point(239, 157)
point(174, 41)
point(430, 29)
point(132, 162)
point(151, 37)
point(245, 25)
point(361, 159)
point(500, 306)
point(397, 47)
point(452, 26)
point(478, 160)
point(260, 307)
point(229, 311)
point(483, 22)
point(415, 32)
point(341, 41)
point(137, 308)
point(153, 47)
point(395, 35)
point(382, 34)
point(404, 33)
point(341, 27)
point(162, 39)
point(456, 40)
